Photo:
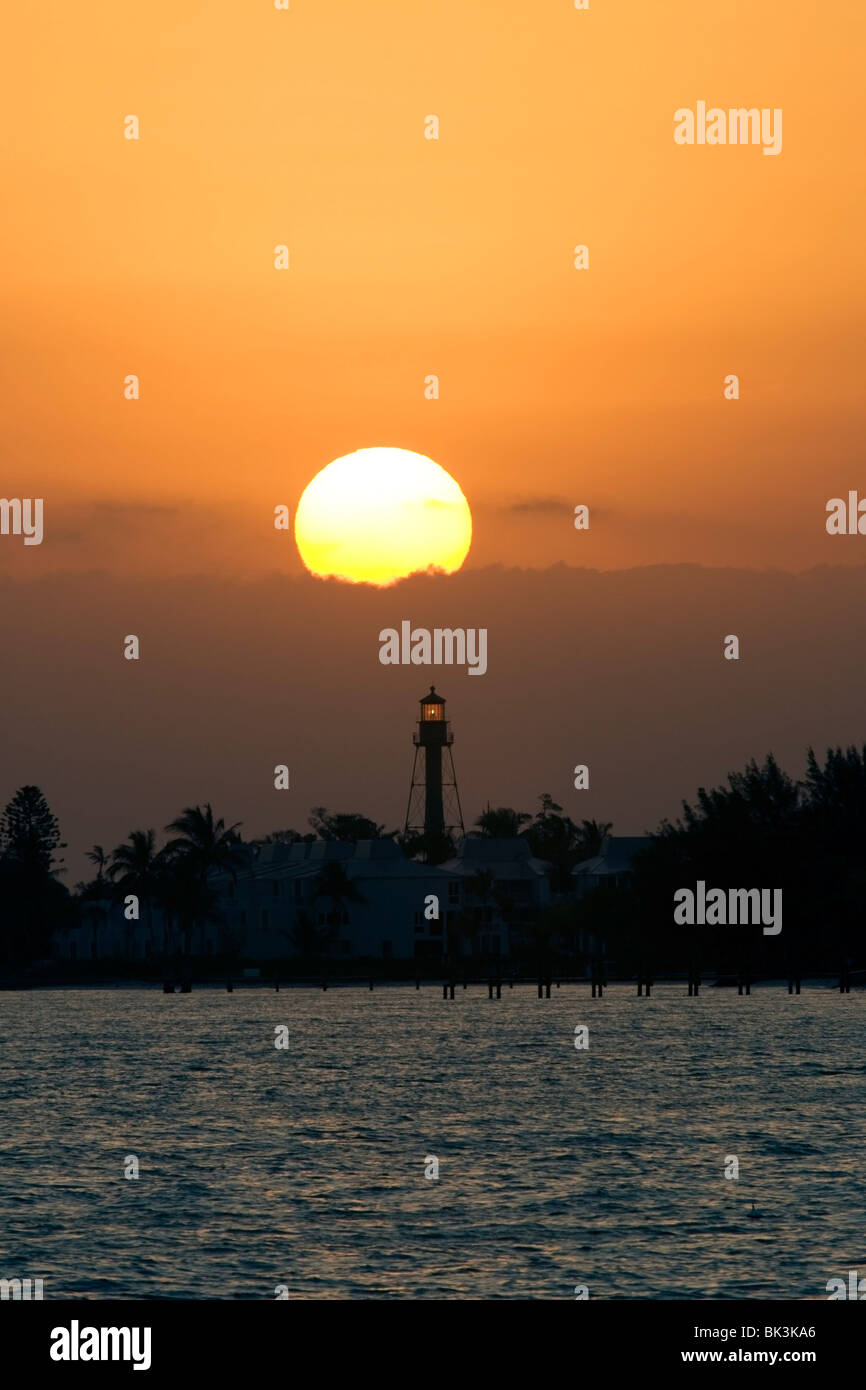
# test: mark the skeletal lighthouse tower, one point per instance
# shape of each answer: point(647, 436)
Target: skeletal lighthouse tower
point(434, 803)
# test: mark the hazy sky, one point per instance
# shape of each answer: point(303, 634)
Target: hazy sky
point(622, 671)
point(411, 257)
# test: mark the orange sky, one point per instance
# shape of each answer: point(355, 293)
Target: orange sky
point(411, 257)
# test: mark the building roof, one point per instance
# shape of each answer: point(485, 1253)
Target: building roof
point(432, 698)
point(325, 851)
point(359, 858)
point(617, 855)
point(504, 858)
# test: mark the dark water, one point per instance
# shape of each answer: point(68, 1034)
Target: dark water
point(305, 1167)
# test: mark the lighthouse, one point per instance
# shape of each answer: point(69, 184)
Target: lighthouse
point(434, 803)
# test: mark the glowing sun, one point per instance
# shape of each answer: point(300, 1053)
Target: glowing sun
point(378, 515)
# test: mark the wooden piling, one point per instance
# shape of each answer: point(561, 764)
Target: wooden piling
point(498, 989)
point(228, 986)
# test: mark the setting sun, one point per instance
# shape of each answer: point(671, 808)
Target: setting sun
point(378, 515)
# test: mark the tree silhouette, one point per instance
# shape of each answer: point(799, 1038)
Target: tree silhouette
point(480, 888)
point(432, 849)
point(29, 833)
point(136, 867)
point(202, 845)
point(187, 900)
point(282, 837)
point(553, 836)
point(592, 835)
point(334, 885)
point(32, 902)
point(346, 825)
point(501, 822)
point(310, 939)
point(101, 859)
point(754, 832)
point(204, 842)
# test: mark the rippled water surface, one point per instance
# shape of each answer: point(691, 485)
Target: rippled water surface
point(558, 1167)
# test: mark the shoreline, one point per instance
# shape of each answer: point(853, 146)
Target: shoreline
point(220, 985)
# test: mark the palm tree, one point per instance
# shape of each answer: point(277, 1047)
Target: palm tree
point(204, 845)
point(334, 884)
point(309, 939)
point(501, 823)
point(135, 868)
point(207, 843)
point(188, 901)
point(592, 835)
point(479, 886)
point(96, 891)
point(98, 856)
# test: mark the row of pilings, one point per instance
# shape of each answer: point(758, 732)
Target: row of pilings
point(544, 981)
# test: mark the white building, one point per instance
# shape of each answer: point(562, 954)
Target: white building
point(501, 883)
point(340, 898)
point(611, 868)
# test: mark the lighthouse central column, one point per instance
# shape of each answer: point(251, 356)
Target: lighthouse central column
point(434, 813)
